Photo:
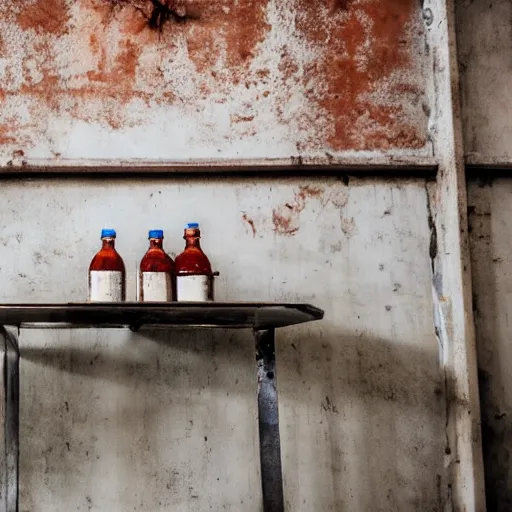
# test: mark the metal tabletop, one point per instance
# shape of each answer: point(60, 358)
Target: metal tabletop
point(256, 315)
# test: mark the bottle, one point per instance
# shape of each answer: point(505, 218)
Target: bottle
point(106, 272)
point(157, 271)
point(193, 269)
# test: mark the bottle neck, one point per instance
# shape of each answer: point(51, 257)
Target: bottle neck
point(192, 241)
point(192, 236)
point(108, 243)
point(156, 243)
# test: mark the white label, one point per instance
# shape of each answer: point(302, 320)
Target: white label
point(106, 286)
point(192, 288)
point(156, 287)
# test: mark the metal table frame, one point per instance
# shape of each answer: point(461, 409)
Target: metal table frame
point(263, 318)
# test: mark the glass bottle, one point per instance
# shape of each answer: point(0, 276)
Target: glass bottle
point(157, 271)
point(193, 269)
point(107, 275)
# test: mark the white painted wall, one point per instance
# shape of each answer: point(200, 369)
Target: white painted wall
point(115, 421)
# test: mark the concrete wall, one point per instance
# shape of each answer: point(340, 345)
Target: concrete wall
point(485, 36)
point(114, 421)
point(492, 269)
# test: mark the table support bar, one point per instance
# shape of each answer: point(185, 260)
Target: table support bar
point(9, 418)
point(268, 419)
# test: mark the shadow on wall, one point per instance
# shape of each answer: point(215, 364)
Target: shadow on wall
point(490, 227)
point(373, 414)
point(362, 420)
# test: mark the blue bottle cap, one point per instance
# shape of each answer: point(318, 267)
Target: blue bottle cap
point(108, 233)
point(156, 233)
point(192, 225)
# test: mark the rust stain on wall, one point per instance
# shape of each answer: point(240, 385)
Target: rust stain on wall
point(6, 136)
point(251, 224)
point(339, 75)
point(233, 27)
point(361, 45)
point(44, 16)
point(286, 218)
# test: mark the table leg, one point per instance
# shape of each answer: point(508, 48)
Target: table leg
point(9, 419)
point(268, 420)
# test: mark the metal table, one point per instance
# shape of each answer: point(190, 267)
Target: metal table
point(263, 318)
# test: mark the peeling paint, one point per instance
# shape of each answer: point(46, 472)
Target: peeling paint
point(93, 78)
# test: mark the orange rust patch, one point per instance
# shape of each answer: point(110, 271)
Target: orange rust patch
point(126, 61)
point(6, 135)
point(50, 16)
point(45, 90)
point(134, 22)
point(241, 25)
point(94, 44)
point(122, 72)
point(361, 45)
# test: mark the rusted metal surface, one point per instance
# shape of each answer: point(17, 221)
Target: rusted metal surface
point(89, 80)
point(268, 422)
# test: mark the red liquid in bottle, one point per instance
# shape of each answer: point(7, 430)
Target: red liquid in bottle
point(107, 275)
point(193, 269)
point(157, 272)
